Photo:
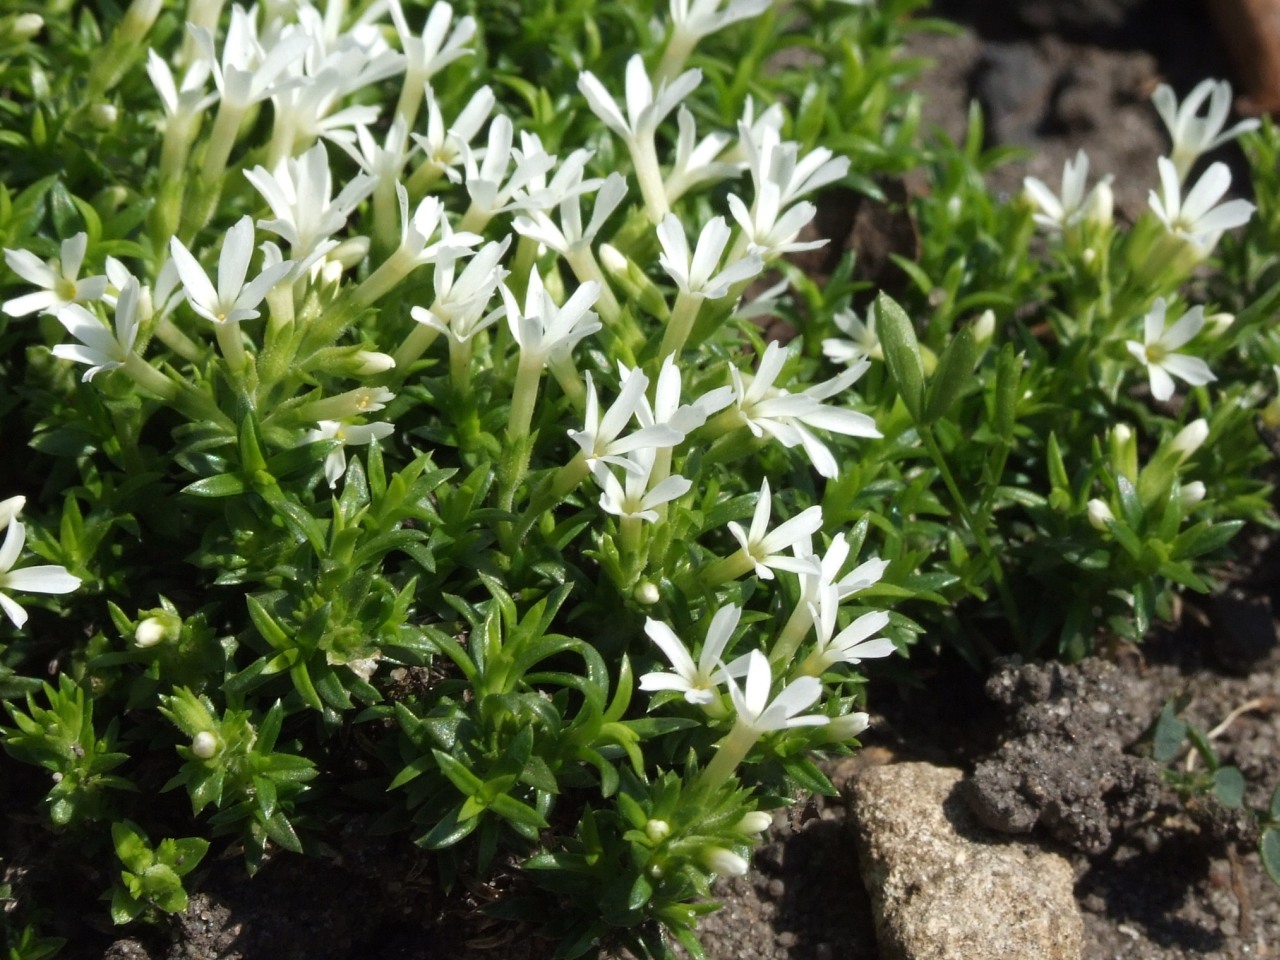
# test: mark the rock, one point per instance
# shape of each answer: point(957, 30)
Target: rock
point(943, 887)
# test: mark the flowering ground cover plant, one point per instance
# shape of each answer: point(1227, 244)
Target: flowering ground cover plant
point(398, 375)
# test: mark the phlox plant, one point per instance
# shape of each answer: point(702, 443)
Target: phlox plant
point(398, 374)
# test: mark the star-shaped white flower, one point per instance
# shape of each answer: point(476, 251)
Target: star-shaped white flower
point(1198, 217)
point(863, 340)
point(1059, 213)
point(698, 273)
point(766, 548)
point(697, 681)
point(853, 644)
point(45, 578)
point(760, 715)
point(632, 497)
point(59, 279)
point(98, 347)
point(232, 300)
point(1156, 352)
point(600, 438)
point(1194, 134)
point(335, 463)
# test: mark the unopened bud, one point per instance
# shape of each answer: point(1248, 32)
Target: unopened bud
point(1191, 494)
point(724, 862)
point(139, 18)
point(1124, 451)
point(11, 509)
point(205, 745)
point(157, 629)
point(657, 830)
point(25, 26)
point(1099, 514)
point(847, 727)
point(1189, 439)
point(646, 592)
point(1216, 324)
point(985, 326)
point(350, 252)
point(372, 363)
point(103, 115)
point(1099, 206)
point(757, 821)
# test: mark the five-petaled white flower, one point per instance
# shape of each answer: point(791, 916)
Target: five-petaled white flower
point(233, 300)
point(544, 330)
point(758, 715)
point(46, 578)
point(696, 273)
point(764, 547)
point(785, 416)
point(98, 347)
point(600, 437)
point(697, 681)
point(853, 644)
point(1060, 213)
point(58, 279)
point(863, 340)
point(335, 463)
point(633, 497)
point(1192, 133)
point(1197, 216)
point(1156, 352)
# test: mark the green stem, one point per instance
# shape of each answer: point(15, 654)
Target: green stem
point(730, 752)
point(680, 324)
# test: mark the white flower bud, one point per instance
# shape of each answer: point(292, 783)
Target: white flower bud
point(757, 821)
point(372, 363)
point(1099, 206)
point(1191, 494)
point(1216, 324)
point(985, 326)
point(139, 18)
point(646, 592)
point(657, 830)
point(1099, 514)
point(847, 727)
point(350, 252)
point(1189, 439)
point(11, 509)
point(724, 862)
point(160, 626)
point(103, 115)
point(612, 259)
point(205, 745)
point(25, 26)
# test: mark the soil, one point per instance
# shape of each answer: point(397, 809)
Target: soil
point(1051, 748)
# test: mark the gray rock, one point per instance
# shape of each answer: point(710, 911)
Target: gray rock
point(943, 887)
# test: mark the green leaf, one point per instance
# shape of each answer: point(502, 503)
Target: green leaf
point(131, 846)
point(954, 372)
point(1228, 786)
point(225, 485)
point(1169, 734)
point(468, 784)
point(901, 354)
point(1269, 847)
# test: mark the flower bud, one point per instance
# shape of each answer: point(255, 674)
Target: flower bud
point(985, 326)
point(103, 115)
point(757, 821)
point(157, 628)
point(657, 830)
point(25, 26)
point(11, 509)
point(724, 862)
point(1189, 439)
point(847, 727)
point(1216, 324)
point(350, 252)
point(1099, 514)
point(1191, 494)
point(205, 745)
point(139, 18)
point(372, 363)
point(1099, 206)
point(646, 592)
point(1124, 451)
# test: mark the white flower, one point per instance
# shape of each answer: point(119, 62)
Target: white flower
point(853, 644)
point(335, 463)
point(1056, 213)
point(299, 193)
point(1193, 134)
point(418, 229)
point(695, 162)
point(97, 347)
point(785, 416)
point(58, 279)
point(181, 104)
point(461, 299)
point(570, 236)
point(695, 273)
point(1159, 342)
point(863, 340)
point(771, 232)
point(668, 410)
point(444, 147)
point(438, 46)
point(1197, 217)
point(758, 715)
point(46, 578)
point(697, 681)
point(698, 18)
point(11, 509)
point(490, 188)
point(765, 548)
point(770, 159)
point(632, 497)
point(600, 439)
point(247, 73)
point(233, 300)
point(544, 330)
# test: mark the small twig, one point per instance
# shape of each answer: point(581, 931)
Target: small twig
point(1244, 928)
point(1263, 704)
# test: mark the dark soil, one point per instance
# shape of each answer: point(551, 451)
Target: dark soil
point(1053, 748)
